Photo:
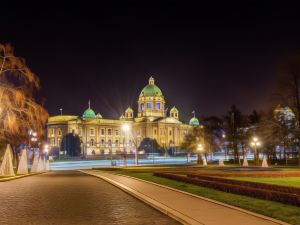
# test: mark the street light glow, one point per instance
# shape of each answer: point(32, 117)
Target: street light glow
point(125, 127)
point(255, 142)
point(200, 147)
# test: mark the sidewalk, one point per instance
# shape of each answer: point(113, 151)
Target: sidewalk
point(4, 179)
point(186, 208)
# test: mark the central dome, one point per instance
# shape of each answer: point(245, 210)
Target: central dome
point(151, 90)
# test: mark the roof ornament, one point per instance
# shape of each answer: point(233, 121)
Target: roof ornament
point(194, 113)
point(151, 80)
point(61, 111)
point(89, 104)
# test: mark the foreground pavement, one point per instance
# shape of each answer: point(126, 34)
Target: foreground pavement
point(184, 207)
point(71, 197)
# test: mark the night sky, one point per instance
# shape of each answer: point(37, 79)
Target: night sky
point(204, 57)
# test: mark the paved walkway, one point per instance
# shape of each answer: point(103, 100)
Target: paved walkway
point(72, 197)
point(187, 208)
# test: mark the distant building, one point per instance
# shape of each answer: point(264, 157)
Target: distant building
point(100, 136)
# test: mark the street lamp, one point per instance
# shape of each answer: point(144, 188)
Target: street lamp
point(200, 150)
point(255, 143)
point(200, 147)
point(126, 128)
point(46, 150)
point(225, 148)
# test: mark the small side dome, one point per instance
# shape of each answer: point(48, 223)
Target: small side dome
point(174, 113)
point(129, 113)
point(174, 109)
point(99, 116)
point(194, 122)
point(129, 110)
point(89, 114)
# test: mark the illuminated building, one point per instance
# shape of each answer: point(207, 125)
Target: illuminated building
point(100, 135)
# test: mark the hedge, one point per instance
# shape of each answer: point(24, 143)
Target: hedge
point(272, 187)
point(261, 174)
point(286, 198)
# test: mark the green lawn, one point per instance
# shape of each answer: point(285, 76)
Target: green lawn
point(286, 181)
point(287, 213)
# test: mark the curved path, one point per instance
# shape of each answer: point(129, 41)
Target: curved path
point(185, 207)
point(71, 198)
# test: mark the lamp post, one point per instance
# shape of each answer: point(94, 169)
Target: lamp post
point(200, 150)
point(225, 148)
point(127, 130)
point(255, 143)
point(46, 150)
point(110, 151)
point(32, 138)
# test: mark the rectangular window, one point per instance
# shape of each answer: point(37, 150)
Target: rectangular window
point(102, 132)
point(157, 105)
point(109, 131)
point(117, 132)
point(92, 132)
point(154, 131)
point(149, 105)
point(170, 132)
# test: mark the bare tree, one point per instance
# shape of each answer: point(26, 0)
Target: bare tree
point(287, 91)
point(19, 112)
point(191, 141)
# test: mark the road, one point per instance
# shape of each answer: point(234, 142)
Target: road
point(89, 164)
point(71, 197)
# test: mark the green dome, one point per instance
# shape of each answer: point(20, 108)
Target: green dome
point(89, 114)
point(194, 122)
point(151, 90)
point(129, 110)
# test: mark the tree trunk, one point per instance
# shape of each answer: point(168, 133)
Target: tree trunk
point(199, 160)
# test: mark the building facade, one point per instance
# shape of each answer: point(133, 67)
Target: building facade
point(101, 136)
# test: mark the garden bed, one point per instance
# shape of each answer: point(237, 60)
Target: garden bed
point(272, 193)
point(272, 187)
point(247, 174)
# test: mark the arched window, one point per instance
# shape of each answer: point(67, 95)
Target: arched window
point(117, 142)
point(142, 106)
point(157, 105)
point(102, 142)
